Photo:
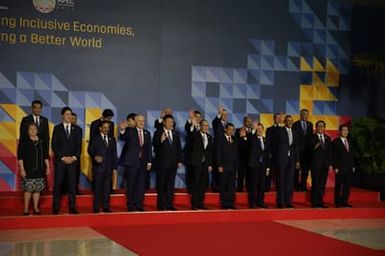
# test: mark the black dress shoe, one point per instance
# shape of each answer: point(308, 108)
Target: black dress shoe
point(194, 208)
point(279, 206)
point(130, 209)
point(264, 206)
point(202, 207)
point(290, 206)
point(95, 210)
point(107, 210)
point(25, 213)
point(232, 207)
point(347, 205)
point(55, 212)
point(171, 209)
point(323, 206)
point(223, 207)
point(139, 209)
point(160, 209)
point(252, 206)
point(36, 212)
point(73, 211)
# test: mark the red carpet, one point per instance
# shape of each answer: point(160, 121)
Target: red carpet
point(235, 238)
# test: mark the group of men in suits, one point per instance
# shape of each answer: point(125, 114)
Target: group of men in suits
point(235, 158)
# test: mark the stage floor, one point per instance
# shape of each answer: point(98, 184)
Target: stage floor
point(301, 231)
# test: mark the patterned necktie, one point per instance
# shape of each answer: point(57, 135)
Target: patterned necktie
point(169, 137)
point(140, 137)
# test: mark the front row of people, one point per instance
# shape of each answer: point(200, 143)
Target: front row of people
point(205, 154)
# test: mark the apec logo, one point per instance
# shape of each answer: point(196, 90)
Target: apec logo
point(47, 6)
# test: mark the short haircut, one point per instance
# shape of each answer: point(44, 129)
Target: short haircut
point(320, 122)
point(131, 116)
point(304, 110)
point(246, 117)
point(229, 124)
point(276, 114)
point(203, 121)
point(104, 122)
point(65, 109)
point(39, 102)
point(288, 116)
point(261, 124)
point(197, 112)
point(342, 126)
point(107, 113)
point(74, 114)
point(168, 116)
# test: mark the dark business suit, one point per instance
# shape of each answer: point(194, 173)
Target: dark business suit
point(321, 159)
point(43, 128)
point(271, 139)
point(167, 154)
point(304, 136)
point(259, 161)
point(243, 156)
point(200, 158)
point(343, 160)
point(187, 153)
point(286, 156)
point(63, 147)
point(102, 172)
point(218, 129)
point(226, 155)
point(134, 159)
point(94, 128)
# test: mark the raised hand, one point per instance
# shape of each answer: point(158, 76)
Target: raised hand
point(163, 137)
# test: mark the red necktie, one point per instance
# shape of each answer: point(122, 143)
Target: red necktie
point(140, 137)
point(346, 145)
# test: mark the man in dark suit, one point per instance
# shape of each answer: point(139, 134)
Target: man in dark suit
point(102, 150)
point(219, 124)
point(259, 168)
point(200, 158)
point(241, 135)
point(343, 162)
point(107, 115)
point(287, 158)
point(40, 121)
point(271, 140)
point(66, 145)
point(304, 129)
point(158, 123)
point(136, 158)
point(321, 163)
point(168, 153)
point(226, 155)
point(194, 120)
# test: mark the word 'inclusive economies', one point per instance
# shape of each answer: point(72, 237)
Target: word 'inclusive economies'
point(55, 25)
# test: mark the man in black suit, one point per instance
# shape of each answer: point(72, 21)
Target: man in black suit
point(219, 124)
point(271, 140)
point(66, 145)
point(304, 129)
point(287, 158)
point(343, 162)
point(226, 155)
point(194, 120)
point(136, 158)
point(158, 123)
point(168, 153)
point(259, 168)
point(102, 150)
point(40, 121)
point(107, 115)
point(200, 158)
point(321, 163)
point(241, 135)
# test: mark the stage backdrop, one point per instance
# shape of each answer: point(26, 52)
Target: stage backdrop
point(254, 57)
